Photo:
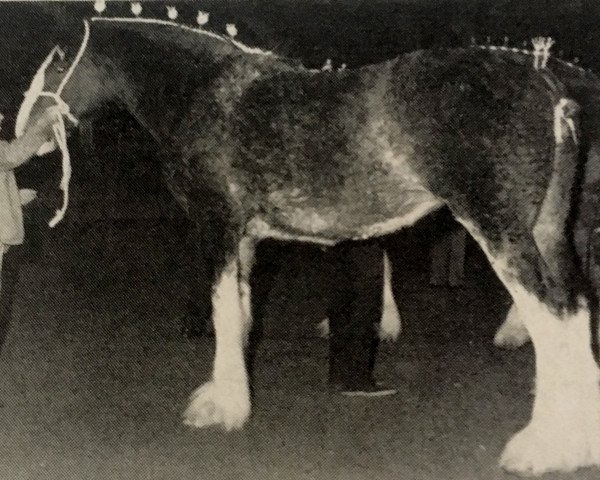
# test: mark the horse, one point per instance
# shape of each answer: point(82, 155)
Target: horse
point(256, 146)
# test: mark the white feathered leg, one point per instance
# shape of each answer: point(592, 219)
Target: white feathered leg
point(564, 431)
point(390, 324)
point(225, 400)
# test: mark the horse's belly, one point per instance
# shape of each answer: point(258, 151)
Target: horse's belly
point(295, 217)
point(405, 217)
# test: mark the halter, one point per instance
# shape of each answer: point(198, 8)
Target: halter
point(35, 91)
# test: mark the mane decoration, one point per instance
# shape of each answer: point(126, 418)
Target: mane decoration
point(136, 8)
point(201, 19)
point(540, 52)
point(172, 13)
point(100, 6)
point(198, 30)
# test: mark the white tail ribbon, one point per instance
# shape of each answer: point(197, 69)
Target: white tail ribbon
point(560, 117)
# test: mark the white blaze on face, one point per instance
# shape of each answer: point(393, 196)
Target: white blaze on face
point(31, 96)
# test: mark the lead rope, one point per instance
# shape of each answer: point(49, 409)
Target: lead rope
point(60, 133)
point(60, 136)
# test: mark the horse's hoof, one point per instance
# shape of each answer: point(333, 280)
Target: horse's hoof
point(323, 328)
point(218, 403)
point(534, 451)
point(511, 340)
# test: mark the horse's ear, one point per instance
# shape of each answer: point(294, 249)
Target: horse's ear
point(60, 52)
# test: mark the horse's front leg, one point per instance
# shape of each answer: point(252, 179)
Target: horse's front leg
point(225, 399)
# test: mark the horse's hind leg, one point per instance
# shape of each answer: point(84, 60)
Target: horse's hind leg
point(556, 252)
point(564, 431)
point(390, 325)
point(225, 400)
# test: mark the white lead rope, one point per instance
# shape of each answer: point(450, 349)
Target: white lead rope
point(61, 140)
point(60, 136)
point(60, 132)
point(36, 90)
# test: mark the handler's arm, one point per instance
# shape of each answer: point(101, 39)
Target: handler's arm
point(20, 150)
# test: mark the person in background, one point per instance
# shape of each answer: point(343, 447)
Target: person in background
point(354, 316)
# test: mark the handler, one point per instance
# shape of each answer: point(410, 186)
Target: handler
point(12, 155)
point(354, 315)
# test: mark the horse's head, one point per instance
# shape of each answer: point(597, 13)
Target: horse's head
point(61, 82)
point(44, 91)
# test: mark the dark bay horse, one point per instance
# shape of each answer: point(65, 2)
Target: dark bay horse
point(255, 146)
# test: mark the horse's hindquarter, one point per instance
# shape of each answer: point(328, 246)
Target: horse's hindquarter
point(314, 152)
point(482, 130)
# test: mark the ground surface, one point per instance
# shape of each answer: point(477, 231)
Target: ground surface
point(94, 375)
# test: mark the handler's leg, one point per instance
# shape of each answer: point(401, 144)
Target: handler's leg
point(354, 316)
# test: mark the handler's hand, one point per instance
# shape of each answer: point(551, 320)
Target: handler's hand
point(47, 119)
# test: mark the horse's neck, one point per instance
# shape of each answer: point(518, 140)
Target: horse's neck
point(160, 99)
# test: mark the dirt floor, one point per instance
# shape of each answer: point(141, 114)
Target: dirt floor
point(94, 374)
